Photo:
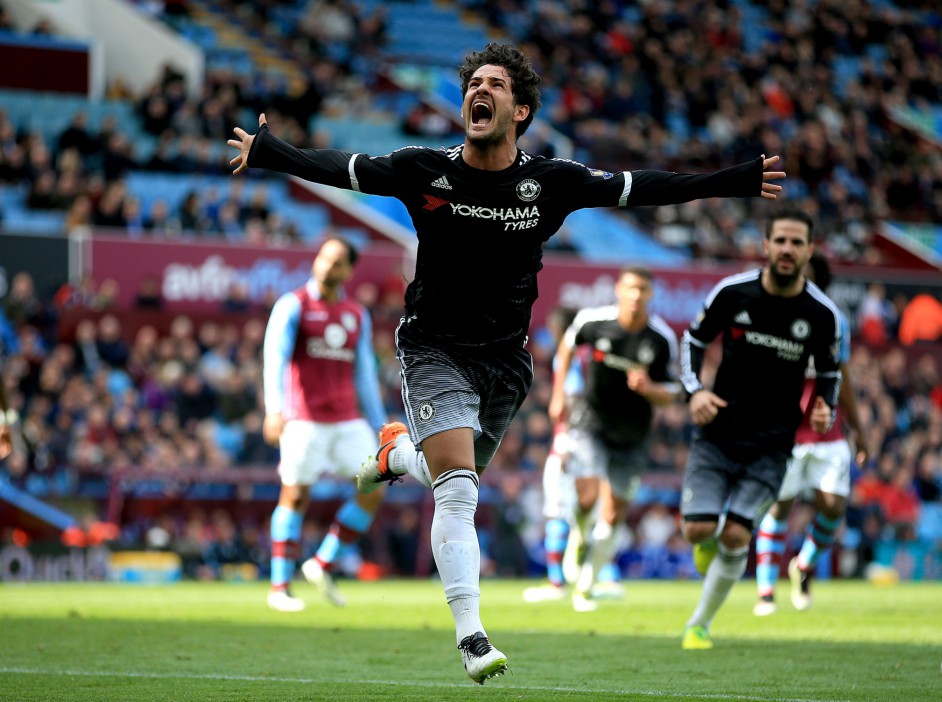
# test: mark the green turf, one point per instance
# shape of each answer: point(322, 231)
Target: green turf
point(394, 640)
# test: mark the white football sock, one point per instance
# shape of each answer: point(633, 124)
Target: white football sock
point(725, 570)
point(455, 547)
point(406, 458)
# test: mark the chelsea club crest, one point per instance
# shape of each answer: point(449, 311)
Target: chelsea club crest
point(528, 190)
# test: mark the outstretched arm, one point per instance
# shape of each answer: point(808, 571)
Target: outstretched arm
point(745, 180)
point(244, 144)
point(333, 167)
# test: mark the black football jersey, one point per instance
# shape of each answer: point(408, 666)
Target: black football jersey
point(480, 232)
point(608, 408)
point(767, 341)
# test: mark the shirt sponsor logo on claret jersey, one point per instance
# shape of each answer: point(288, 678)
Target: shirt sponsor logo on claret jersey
point(331, 346)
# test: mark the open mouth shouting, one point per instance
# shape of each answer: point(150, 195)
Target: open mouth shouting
point(481, 114)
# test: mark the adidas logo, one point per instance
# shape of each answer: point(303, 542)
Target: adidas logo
point(441, 183)
point(742, 318)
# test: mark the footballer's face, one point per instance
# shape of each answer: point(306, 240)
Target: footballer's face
point(788, 249)
point(332, 265)
point(489, 110)
point(634, 293)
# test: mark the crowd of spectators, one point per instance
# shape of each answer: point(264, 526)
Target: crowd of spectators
point(680, 84)
point(105, 400)
point(83, 173)
point(82, 169)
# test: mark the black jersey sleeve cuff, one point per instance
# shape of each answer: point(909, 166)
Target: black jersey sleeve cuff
point(256, 142)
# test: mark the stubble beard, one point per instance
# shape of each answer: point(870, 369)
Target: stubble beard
point(482, 140)
point(494, 135)
point(784, 280)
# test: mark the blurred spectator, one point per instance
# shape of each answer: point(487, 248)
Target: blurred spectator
point(44, 28)
point(921, 320)
point(22, 305)
point(237, 299)
point(77, 136)
point(107, 297)
point(6, 21)
point(86, 346)
point(507, 550)
point(225, 548)
point(875, 316)
point(112, 349)
point(899, 505)
point(255, 450)
point(402, 541)
point(657, 526)
point(79, 295)
point(192, 218)
point(148, 295)
point(194, 400)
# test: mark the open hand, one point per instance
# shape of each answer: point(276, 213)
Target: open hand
point(770, 190)
point(244, 145)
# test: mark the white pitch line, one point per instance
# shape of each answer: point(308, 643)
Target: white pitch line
point(307, 681)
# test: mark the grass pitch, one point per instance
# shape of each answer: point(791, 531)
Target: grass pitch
point(394, 640)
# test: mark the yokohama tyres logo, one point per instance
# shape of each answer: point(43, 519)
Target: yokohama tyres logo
point(514, 218)
point(788, 350)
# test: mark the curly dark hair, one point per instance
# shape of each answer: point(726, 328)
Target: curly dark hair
point(524, 81)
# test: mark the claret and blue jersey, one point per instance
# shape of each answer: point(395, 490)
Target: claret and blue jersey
point(318, 360)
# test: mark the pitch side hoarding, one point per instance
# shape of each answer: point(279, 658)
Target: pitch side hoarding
point(195, 276)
